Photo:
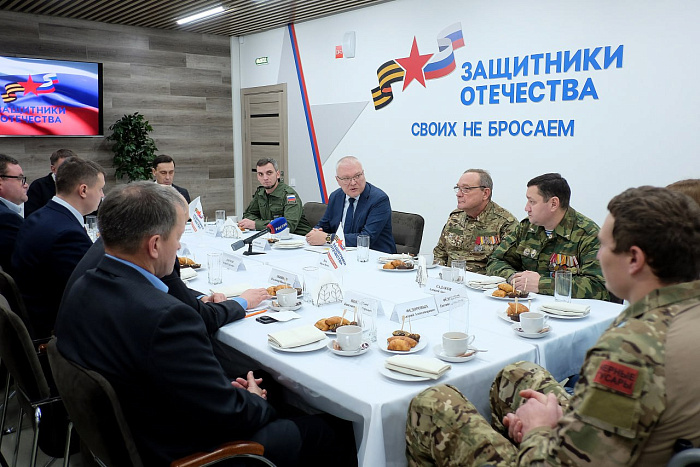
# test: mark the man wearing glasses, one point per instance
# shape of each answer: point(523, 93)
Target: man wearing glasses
point(361, 207)
point(554, 236)
point(476, 227)
point(13, 192)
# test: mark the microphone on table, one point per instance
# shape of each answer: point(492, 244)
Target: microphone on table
point(275, 226)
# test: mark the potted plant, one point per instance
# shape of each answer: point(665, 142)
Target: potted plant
point(133, 149)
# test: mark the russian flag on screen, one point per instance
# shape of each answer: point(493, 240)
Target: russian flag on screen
point(443, 62)
point(49, 97)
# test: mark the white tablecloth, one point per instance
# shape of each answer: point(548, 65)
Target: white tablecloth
point(352, 387)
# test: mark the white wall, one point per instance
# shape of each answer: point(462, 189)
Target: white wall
point(642, 129)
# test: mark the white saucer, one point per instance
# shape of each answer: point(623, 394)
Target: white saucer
point(441, 355)
point(531, 335)
point(413, 269)
point(530, 296)
point(504, 316)
point(275, 306)
point(391, 374)
point(348, 353)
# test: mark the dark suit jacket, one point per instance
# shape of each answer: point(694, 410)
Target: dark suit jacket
point(155, 351)
point(10, 223)
point(40, 192)
point(49, 245)
point(183, 192)
point(214, 315)
point(372, 217)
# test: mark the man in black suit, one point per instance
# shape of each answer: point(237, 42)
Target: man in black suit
point(13, 192)
point(118, 320)
point(164, 174)
point(43, 189)
point(53, 240)
point(215, 309)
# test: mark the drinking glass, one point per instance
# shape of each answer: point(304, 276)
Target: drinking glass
point(562, 285)
point(460, 266)
point(91, 223)
point(214, 261)
point(363, 248)
point(310, 274)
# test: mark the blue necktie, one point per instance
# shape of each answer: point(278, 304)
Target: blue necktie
point(349, 215)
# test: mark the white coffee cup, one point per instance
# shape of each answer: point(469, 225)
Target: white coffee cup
point(532, 322)
point(456, 343)
point(349, 337)
point(287, 297)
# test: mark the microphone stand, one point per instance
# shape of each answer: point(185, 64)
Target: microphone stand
point(250, 249)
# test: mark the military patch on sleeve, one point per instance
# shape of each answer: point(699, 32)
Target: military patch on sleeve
point(291, 199)
point(616, 376)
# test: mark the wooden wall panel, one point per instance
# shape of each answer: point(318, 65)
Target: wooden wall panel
point(179, 81)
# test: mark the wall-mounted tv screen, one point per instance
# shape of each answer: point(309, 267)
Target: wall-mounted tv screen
point(50, 97)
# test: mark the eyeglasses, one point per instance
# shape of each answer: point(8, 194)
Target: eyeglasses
point(21, 178)
point(347, 180)
point(467, 189)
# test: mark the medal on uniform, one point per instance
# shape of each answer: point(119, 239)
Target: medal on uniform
point(526, 252)
point(533, 254)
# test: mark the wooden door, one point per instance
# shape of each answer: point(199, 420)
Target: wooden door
point(264, 116)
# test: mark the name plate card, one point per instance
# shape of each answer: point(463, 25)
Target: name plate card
point(436, 286)
point(325, 263)
point(354, 299)
point(261, 245)
point(416, 309)
point(232, 262)
point(278, 276)
point(446, 302)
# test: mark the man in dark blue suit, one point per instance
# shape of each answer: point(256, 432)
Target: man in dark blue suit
point(361, 207)
point(43, 189)
point(13, 192)
point(53, 240)
point(119, 320)
point(164, 174)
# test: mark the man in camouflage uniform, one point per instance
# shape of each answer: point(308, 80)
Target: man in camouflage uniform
point(274, 199)
point(638, 389)
point(553, 237)
point(476, 227)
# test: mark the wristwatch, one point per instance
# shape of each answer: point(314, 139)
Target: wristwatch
point(328, 238)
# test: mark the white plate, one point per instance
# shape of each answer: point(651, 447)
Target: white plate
point(302, 348)
point(414, 269)
point(504, 316)
point(386, 259)
point(441, 355)
point(531, 296)
point(530, 335)
point(276, 307)
point(562, 316)
point(288, 246)
point(483, 287)
point(348, 353)
point(420, 346)
point(391, 374)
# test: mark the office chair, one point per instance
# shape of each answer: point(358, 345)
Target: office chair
point(408, 231)
point(52, 429)
point(94, 408)
point(314, 211)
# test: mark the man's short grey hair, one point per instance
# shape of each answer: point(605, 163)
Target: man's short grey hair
point(346, 159)
point(136, 211)
point(267, 160)
point(484, 178)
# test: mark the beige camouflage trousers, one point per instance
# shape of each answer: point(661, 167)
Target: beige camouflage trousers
point(445, 429)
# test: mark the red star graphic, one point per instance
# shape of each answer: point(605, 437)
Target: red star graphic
point(30, 86)
point(413, 65)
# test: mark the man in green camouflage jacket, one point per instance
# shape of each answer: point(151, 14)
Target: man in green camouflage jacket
point(553, 237)
point(638, 390)
point(274, 199)
point(476, 227)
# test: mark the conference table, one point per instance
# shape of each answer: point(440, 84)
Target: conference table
point(355, 388)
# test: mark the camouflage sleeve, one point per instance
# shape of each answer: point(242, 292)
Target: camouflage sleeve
point(504, 261)
point(588, 280)
point(293, 213)
point(440, 250)
point(616, 404)
point(252, 212)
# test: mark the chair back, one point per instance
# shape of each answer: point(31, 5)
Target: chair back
point(19, 355)
point(94, 408)
point(408, 231)
point(8, 288)
point(314, 211)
